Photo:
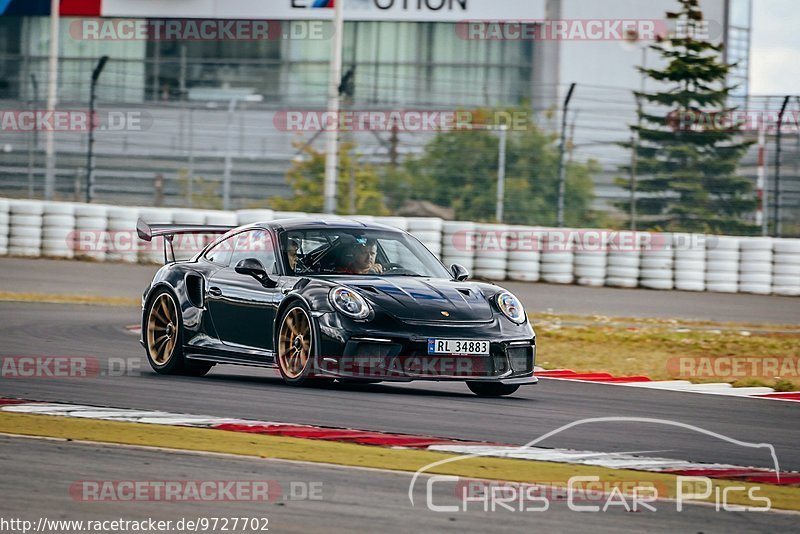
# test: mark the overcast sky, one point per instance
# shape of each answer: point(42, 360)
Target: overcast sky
point(775, 53)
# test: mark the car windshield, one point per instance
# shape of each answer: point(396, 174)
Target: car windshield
point(332, 251)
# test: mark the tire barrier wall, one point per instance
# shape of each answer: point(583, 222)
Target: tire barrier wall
point(590, 257)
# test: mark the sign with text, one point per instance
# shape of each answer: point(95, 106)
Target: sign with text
point(355, 10)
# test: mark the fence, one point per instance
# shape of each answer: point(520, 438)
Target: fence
point(170, 141)
point(591, 257)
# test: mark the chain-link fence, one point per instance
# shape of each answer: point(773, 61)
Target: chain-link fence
point(168, 125)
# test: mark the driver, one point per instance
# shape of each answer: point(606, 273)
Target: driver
point(363, 262)
point(291, 254)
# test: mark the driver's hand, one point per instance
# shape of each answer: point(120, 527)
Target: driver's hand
point(377, 268)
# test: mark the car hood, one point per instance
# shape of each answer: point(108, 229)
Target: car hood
point(424, 299)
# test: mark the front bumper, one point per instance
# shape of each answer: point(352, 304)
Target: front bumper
point(358, 351)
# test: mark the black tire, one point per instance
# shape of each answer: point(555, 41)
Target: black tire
point(492, 389)
point(295, 346)
point(163, 318)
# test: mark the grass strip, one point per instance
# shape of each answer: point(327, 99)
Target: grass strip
point(49, 298)
point(347, 454)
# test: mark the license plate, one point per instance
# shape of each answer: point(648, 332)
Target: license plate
point(457, 346)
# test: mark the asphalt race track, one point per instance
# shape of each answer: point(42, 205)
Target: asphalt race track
point(119, 280)
point(360, 498)
point(447, 410)
point(38, 475)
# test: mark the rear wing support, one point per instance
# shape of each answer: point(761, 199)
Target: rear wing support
point(148, 232)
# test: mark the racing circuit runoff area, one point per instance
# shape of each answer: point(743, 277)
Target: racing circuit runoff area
point(92, 440)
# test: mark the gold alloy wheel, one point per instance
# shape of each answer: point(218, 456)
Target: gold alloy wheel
point(162, 329)
point(294, 343)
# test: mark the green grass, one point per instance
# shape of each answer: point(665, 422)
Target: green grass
point(652, 347)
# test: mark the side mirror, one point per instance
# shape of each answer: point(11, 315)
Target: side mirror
point(460, 273)
point(253, 267)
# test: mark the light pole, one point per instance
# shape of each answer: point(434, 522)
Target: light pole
point(332, 145)
point(90, 150)
point(501, 174)
point(226, 179)
point(778, 162)
point(562, 169)
point(33, 143)
point(52, 100)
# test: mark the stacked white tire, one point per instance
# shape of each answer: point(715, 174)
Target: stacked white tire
point(557, 257)
point(229, 219)
point(25, 232)
point(91, 227)
point(786, 267)
point(123, 239)
point(189, 217)
point(401, 223)
point(457, 244)
point(429, 231)
point(755, 265)
point(690, 261)
point(289, 215)
point(622, 269)
point(722, 264)
point(254, 216)
point(221, 218)
point(153, 252)
point(590, 260)
point(187, 245)
point(491, 254)
point(4, 226)
point(656, 263)
point(58, 230)
point(524, 256)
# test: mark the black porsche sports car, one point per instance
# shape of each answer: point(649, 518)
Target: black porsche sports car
point(331, 300)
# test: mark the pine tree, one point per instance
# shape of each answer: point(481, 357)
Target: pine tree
point(687, 174)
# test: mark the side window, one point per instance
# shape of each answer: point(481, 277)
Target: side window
point(220, 253)
point(255, 244)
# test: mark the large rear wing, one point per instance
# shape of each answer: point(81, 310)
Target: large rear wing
point(148, 232)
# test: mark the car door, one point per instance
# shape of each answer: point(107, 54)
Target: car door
point(242, 308)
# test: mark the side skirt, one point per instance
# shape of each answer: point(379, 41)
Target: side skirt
point(250, 357)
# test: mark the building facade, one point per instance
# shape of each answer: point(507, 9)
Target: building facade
point(397, 53)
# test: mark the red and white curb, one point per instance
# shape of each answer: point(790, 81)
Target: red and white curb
point(714, 388)
point(632, 461)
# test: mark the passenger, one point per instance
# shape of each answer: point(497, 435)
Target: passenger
point(363, 262)
point(291, 254)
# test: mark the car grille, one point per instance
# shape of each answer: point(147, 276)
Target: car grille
point(379, 359)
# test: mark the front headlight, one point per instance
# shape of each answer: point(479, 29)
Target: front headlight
point(511, 307)
point(349, 303)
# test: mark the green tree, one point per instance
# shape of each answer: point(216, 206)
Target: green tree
point(687, 175)
point(458, 169)
point(307, 178)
